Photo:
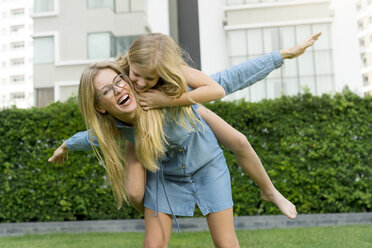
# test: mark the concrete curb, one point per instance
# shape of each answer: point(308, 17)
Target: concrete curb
point(186, 224)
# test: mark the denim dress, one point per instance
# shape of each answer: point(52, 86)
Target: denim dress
point(193, 170)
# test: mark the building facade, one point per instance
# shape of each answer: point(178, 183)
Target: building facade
point(249, 28)
point(70, 34)
point(364, 21)
point(16, 54)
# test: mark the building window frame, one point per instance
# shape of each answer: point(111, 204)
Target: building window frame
point(54, 12)
point(59, 85)
point(283, 78)
point(55, 36)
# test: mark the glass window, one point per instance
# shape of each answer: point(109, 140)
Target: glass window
point(287, 36)
point(238, 59)
point(136, 5)
point(41, 6)
point(258, 91)
point(17, 78)
point(270, 39)
point(289, 68)
point(101, 45)
point(17, 45)
point(306, 64)
point(324, 84)
point(123, 43)
point(323, 62)
point(237, 43)
point(252, 1)
point(16, 28)
point(44, 96)
point(43, 50)
point(324, 42)
point(17, 95)
point(311, 70)
point(93, 4)
point(303, 32)
point(235, 2)
point(17, 61)
point(255, 41)
point(17, 12)
point(291, 85)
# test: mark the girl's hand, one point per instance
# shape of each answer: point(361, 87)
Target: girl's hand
point(59, 155)
point(152, 99)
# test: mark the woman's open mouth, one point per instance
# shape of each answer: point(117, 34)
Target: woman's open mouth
point(124, 99)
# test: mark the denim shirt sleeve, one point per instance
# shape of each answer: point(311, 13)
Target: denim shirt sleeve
point(247, 73)
point(80, 142)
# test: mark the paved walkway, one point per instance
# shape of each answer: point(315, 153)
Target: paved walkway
point(186, 224)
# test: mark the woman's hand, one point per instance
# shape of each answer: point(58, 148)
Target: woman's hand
point(152, 99)
point(59, 155)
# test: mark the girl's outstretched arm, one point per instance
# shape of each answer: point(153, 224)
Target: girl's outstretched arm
point(235, 78)
point(247, 160)
point(205, 89)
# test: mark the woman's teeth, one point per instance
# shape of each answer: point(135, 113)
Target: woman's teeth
point(124, 99)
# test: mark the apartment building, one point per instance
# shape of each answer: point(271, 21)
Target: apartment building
point(244, 29)
point(70, 34)
point(16, 54)
point(364, 20)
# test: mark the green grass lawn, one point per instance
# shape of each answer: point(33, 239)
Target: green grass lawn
point(314, 237)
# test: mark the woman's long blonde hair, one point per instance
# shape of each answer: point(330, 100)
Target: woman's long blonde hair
point(161, 53)
point(148, 126)
point(156, 51)
point(103, 127)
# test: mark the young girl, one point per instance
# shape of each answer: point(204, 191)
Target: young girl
point(174, 90)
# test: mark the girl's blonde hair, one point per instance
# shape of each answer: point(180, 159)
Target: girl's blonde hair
point(150, 138)
point(161, 53)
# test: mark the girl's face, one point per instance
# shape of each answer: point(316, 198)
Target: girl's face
point(142, 79)
point(115, 96)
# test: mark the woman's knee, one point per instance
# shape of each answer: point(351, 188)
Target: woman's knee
point(227, 243)
point(154, 243)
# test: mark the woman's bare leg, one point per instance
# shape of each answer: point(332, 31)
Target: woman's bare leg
point(221, 227)
point(157, 229)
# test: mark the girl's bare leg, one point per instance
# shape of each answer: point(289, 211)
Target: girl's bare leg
point(221, 227)
point(135, 176)
point(157, 229)
point(247, 159)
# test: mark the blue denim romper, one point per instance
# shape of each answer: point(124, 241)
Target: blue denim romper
point(194, 170)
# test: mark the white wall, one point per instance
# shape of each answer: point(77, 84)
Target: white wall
point(158, 15)
point(213, 48)
point(346, 51)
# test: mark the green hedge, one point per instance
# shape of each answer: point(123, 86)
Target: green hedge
point(317, 151)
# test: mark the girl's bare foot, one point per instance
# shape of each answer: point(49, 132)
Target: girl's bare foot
point(285, 206)
point(300, 48)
